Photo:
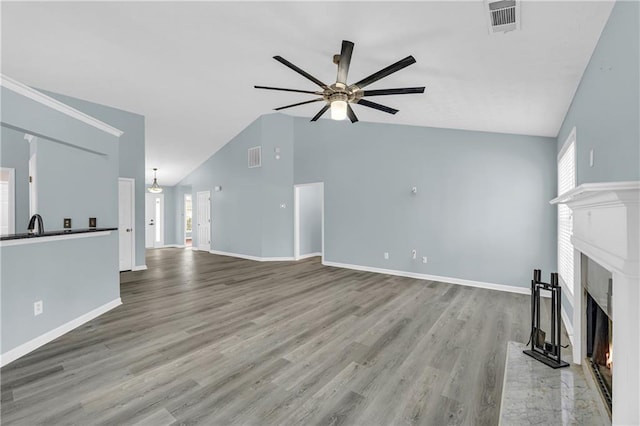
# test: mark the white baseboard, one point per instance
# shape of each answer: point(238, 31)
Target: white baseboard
point(249, 257)
point(308, 255)
point(42, 340)
point(469, 283)
point(567, 324)
point(139, 268)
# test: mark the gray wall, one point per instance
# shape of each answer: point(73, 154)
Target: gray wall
point(481, 212)
point(247, 217)
point(71, 277)
point(131, 159)
point(310, 217)
point(69, 186)
point(14, 153)
point(606, 107)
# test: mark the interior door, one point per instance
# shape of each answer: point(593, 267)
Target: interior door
point(204, 220)
point(125, 223)
point(154, 220)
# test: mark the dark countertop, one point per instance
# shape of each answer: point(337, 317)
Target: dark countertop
point(54, 233)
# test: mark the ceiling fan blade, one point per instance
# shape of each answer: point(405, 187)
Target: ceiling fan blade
point(351, 114)
point(300, 71)
point(345, 61)
point(300, 103)
point(402, 91)
point(319, 114)
point(374, 105)
point(288, 90)
point(386, 71)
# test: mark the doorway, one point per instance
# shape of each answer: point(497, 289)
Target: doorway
point(308, 232)
point(126, 219)
point(204, 220)
point(188, 220)
point(154, 219)
point(7, 201)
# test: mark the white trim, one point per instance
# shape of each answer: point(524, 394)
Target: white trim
point(567, 325)
point(296, 222)
point(133, 217)
point(139, 268)
point(11, 199)
point(35, 240)
point(296, 219)
point(567, 142)
point(28, 92)
point(450, 280)
point(47, 337)
point(249, 257)
point(172, 246)
point(308, 255)
point(595, 189)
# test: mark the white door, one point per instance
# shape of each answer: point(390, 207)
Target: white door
point(154, 220)
point(204, 220)
point(126, 204)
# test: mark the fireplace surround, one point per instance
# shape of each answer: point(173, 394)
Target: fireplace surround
point(606, 230)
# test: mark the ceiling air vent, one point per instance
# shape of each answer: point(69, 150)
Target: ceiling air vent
point(504, 15)
point(255, 157)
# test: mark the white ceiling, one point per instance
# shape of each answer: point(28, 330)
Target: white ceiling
point(190, 67)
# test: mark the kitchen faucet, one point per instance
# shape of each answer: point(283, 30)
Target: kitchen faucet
point(32, 225)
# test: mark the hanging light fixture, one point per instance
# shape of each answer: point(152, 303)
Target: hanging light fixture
point(155, 188)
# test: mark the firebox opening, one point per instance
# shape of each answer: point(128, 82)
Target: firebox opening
point(599, 347)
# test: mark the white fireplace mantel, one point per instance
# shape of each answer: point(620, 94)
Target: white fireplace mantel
point(606, 228)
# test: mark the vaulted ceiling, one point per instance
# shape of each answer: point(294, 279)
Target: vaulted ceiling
point(190, 67)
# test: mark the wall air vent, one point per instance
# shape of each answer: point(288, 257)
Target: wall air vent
point(504, 15)
point(255, 157)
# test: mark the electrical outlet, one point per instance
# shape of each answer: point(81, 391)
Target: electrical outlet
point(591, 158)
point(38, 308)
point(414, 253)
point(386, 255)
point(67, 222)
point(424, 259)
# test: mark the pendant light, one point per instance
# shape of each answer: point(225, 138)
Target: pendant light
point(155, 188)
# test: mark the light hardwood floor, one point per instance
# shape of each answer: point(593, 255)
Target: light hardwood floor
point(216, 340)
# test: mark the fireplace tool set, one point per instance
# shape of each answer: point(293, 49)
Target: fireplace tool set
point(545, 351)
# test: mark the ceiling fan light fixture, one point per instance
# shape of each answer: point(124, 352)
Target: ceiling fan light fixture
point(155, 188)
point(338, 110)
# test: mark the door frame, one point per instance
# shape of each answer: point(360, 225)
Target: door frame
point(198, 220)
point(11, 198)
point(184, 219)
point(162, 219)
point(132, 182)
point(296, 219)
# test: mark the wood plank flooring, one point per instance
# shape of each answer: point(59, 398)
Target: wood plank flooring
point(214, 340)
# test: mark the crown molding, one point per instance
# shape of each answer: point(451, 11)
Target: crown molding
point(28, 92)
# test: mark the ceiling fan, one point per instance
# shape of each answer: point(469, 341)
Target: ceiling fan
point(339, 96)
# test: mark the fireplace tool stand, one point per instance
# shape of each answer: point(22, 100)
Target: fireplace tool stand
point(541, 349)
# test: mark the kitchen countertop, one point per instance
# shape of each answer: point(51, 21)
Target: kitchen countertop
point(26, 235)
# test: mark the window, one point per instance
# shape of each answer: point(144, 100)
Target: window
point(566, 182)
point(188, 213)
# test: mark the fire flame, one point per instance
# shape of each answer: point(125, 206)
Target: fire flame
point(609, 356)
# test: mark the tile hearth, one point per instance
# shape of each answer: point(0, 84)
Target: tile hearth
point(535, 394)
